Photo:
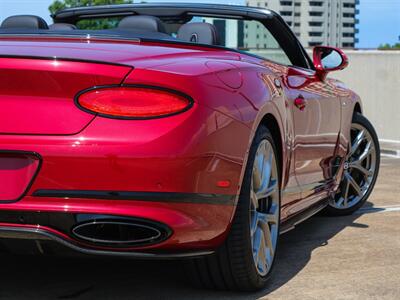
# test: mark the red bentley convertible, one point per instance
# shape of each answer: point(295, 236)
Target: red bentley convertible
point(178, 131)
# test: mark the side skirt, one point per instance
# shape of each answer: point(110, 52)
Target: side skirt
point(291, 223)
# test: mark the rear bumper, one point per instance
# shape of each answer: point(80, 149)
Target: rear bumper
point(165, 170)
point(195, 226)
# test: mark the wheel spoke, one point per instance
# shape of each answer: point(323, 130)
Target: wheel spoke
point(367, 151)
point(253, 199)
point(346, 194)
point(253, 222)
point(353, 183)
point(256, 177)
point(265, 219)
point(357, 142)
point(363, 170)
point(268, 239)
point(268, 190)
point(261, 259)
point(257, 240)
point(266, 169)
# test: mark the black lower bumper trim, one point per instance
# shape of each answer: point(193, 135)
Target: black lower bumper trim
point(40, 234)
point(196, 198)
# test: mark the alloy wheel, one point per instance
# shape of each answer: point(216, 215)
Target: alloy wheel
point(264, 207)
point(359, 169)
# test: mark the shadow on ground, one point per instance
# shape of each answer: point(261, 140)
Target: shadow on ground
point(24, 277)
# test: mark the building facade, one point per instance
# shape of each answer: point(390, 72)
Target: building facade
point(315, 22)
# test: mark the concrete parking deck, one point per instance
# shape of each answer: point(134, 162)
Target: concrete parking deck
point(354, 257)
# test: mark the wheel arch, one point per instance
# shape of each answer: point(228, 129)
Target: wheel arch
point(270, 122)
point(357, 108)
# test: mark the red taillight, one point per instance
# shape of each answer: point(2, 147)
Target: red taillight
point(133, 102)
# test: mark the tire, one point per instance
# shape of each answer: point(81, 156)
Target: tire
point(233, 267)
point(370, 163)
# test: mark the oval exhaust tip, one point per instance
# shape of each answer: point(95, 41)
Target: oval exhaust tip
point(118, 233)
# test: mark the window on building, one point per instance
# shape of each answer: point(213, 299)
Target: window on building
point(286, 3)
point(297, 14)
point(286, 13)
point(296, 24)
point(313, 44)
point(348, 34)
point(315, 24)
point(348, 25)
point(349, 5)
point(314, 33)
point(316, 13)
point(348, 15)
point(316, 3)
point(348, 45)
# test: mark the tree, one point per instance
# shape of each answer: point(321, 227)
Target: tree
point(389, 47)
point(99, 23)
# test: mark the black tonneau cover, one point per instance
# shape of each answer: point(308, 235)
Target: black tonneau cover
point(87, 34)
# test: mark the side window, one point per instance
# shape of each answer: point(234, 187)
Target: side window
point(98, 23)
point(258, 40)
point(248, 36)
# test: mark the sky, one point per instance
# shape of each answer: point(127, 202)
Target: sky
point(379, 19)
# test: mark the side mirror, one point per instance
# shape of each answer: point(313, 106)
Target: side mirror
point(328, 59)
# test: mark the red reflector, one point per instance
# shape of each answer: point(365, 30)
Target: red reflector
point(224, 183)
point(133, 102)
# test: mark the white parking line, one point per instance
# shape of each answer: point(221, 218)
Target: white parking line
point(378, 209)
point(391, 155)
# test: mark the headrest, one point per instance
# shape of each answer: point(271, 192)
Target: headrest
point(142, 23)
point(24, 22)
point(62, 26)
point(203, 33)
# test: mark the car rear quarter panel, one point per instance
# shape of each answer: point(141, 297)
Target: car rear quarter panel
point(240, 92)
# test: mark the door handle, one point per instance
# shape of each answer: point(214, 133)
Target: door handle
point(300, 102)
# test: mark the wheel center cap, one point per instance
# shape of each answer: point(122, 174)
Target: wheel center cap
point(346, 165)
